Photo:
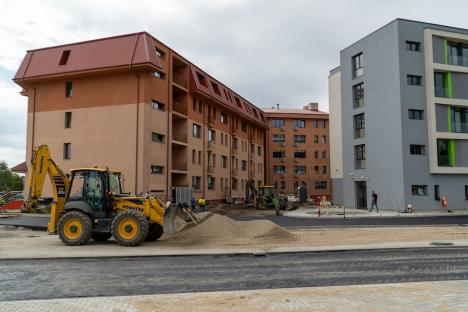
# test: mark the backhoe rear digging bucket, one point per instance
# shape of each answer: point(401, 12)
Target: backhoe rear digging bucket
point(179, 218)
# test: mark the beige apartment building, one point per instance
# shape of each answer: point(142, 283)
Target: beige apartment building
point(298, 150)
point(132, 104)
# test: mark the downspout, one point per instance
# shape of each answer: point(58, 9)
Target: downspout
point(137, 133)
point(205, 121)
point(169, 114)
point(33, 121)
point(231, 140)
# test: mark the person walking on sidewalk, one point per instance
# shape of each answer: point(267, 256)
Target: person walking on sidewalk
point(444, 201)
point(202, 204)
point(374, 202)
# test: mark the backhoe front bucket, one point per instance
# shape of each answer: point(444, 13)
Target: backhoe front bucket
point(178, 219)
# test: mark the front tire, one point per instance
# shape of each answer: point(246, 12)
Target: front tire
point(75, 228)
point(155, 232)
point(129, 228)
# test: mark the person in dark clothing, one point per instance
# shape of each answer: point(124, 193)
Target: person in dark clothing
point(374, 202)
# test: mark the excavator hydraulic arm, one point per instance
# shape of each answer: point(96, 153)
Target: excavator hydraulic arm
point(41, 165)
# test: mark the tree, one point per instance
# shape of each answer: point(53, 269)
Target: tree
point(9, 181)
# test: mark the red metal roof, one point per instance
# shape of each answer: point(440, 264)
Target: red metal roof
point(126, 50)
point(20, 168)
point(293, 111)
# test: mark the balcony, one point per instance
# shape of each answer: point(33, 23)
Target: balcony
point(179, 108)
point(179, 165)
point(234, 171)
point(180, 80)
point(179, 137)
point(211, 145)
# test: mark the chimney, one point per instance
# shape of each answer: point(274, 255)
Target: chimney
point(312, 107)
point(277, 105)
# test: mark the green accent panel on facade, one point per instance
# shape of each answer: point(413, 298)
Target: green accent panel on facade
point(449, 84)
point(451, 152)
point(445, 51)
point(449, 118)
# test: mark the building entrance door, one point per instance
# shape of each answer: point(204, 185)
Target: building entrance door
point(361, 194)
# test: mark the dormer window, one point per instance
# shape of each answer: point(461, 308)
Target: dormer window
point(202, 80)
point(216, 88)
point(64, 58)
point(160, 53)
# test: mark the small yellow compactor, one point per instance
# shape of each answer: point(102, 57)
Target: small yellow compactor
point(90, 204)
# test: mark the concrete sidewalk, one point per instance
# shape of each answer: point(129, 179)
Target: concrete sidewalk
point(350, 213)
point(419, 296)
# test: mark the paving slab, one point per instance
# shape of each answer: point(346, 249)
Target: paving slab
point(419, 296)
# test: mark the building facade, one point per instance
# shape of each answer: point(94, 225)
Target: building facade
point(299, 150)
point(404, 109)
point(132, 104)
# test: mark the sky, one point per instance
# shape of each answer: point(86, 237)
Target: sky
point(268, 51)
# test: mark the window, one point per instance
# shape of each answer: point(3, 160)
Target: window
point(157, 137)
point(157, 169)
point(194, 156)
point(244, 165)
point(413, 46)
point(211, 183)
point(243, 126)
point(316, 139)
point(414, 80)
point(282, 185)
point(299, 123)
point(64, 58)
point(157, 105)
point(279, 169)
point(202, 80)
point(68, 89)
point(360, 156)
point(324, 169)
point(238, 103)
point(234, 184)
point(194, 104)
point(259, 150)
point(224, 118)
point(299, 169)
point(358, 69)
point(459, 119)
point(445, 154)
point(457, 53)
point(359, 126)
point(67, 151)
point(316, 169)
point(416, 114)
point(324, 155)
point(301, 138)
point(466, 192)
point(199, 157)
point(68, 119)
point(300, 154)
point(436, 192)
point(314, 123)
point(316, 154)
point(160, 53)
point(215, 88)
point(211, 135)
point(196, 131)
point(440, 85)
point(324, 139)
point(320, 185)
point(278, 154)
point(279, 138)
point(196, 183)
point(277, 123)
point(416, 149)
point(419, 190)
point(223, 162)
point(358, 95)
point(323, 124)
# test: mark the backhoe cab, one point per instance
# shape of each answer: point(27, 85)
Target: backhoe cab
point(90, 204)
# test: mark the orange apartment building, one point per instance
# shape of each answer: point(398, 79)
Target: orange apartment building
point(132, 104)
point(299, 150)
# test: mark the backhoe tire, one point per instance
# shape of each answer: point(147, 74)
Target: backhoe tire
point(75, 228)
point(130, 228)
point(101, 237)
point(155, 232)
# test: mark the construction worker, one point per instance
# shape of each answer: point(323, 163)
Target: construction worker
point(202, 204)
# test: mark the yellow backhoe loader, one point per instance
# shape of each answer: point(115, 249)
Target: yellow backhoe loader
point(90, 204)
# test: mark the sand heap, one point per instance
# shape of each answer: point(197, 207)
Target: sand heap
point(222, 228)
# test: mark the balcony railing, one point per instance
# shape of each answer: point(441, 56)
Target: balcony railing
point(458, 60)
point(179, 165)
point(179, 107)
point(180, 136)
point(180, 80)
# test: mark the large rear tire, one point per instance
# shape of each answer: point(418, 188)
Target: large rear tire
point(129, 228)
point(155, 232)
point(75, 228)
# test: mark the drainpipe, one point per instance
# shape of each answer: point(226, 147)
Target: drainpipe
point(33, 121)
point(169, 126)
point(137, 133)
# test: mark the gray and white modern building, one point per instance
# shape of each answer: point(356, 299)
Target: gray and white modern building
point(403, 107)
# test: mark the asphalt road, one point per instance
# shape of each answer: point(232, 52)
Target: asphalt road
point(40, 223)
point(61, 278)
